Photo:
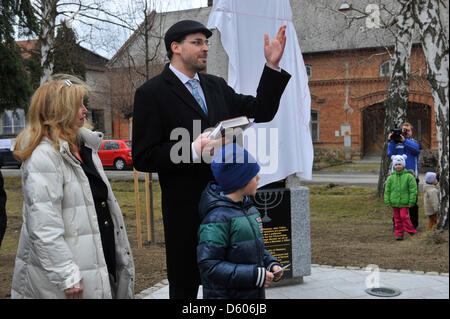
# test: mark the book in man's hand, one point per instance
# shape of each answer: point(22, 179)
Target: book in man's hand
point(241, 122)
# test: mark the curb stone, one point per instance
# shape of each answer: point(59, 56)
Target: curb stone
point(391, 270)
point(353, 268)
point(152, 289)
point(403, 271)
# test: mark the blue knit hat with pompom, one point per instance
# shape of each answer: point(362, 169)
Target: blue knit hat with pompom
point(233, 167)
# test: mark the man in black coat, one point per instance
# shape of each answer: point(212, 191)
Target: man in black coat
point(169, 114)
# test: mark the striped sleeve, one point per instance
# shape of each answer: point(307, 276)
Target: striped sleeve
point(261, 277)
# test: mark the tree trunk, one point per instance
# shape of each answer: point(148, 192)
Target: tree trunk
point(47, 37)
point(435, 47)
point(396, 103)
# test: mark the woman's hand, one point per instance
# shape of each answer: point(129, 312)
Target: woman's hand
point(76, 292)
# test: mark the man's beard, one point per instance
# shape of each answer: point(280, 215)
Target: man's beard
point(200, 68)
point(194, 65)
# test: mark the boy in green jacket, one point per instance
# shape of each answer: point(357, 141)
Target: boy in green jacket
point(399, 194)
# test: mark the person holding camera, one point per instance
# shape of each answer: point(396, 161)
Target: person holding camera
point(401, 142)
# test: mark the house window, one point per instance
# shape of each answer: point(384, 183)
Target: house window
point(385, 68)
point(308, 70)
point(12, 122)
point(314, 125)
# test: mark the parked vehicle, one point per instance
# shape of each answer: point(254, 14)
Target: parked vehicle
point(6, 156)
point(116, 153)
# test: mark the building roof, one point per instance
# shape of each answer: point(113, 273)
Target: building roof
point(129, 41)
point(327, 25)
point(26, 47)
point(92, 60)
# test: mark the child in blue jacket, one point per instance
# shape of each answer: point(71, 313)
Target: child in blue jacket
point(232, 259)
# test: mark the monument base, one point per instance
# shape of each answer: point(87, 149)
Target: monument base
point(286, 227)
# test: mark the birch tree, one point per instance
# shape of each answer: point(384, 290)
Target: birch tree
point(427, 15)
point(94, 14)
point(397, 24)
point(396, 104)
point(141, 58)
point(424, 16)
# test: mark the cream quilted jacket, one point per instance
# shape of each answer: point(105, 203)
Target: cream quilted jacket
point(60, 241)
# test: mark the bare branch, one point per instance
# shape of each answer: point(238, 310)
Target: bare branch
point(126, 26)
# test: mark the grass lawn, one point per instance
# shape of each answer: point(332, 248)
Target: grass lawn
point(350, 226)
point(358, 167)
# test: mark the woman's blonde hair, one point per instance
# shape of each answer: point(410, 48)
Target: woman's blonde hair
point(52, 114)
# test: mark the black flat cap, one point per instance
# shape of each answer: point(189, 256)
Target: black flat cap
point(183, 28)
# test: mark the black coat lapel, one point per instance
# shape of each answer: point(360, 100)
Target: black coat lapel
point(182, 92)
point(211, 103)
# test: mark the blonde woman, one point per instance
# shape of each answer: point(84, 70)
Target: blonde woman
point(73, 243)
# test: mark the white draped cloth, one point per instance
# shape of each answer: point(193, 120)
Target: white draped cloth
point(283, 146)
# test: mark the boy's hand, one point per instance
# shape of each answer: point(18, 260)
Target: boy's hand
point(269, 279)
point(277, 276)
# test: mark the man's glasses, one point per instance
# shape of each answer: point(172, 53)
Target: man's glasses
point(198, 42)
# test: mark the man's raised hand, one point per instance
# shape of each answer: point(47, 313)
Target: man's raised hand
point(273, 51)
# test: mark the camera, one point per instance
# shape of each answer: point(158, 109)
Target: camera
point(396, 134)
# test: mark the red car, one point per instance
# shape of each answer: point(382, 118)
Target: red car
point(116, 153)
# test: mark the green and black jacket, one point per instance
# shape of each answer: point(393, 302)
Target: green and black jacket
point(231, 255)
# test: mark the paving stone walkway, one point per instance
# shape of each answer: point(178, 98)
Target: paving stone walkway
point(327, 282)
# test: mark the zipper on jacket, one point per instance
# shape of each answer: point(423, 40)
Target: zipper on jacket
point(260, 259)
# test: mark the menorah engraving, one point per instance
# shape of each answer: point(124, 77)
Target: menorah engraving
point(267, 200)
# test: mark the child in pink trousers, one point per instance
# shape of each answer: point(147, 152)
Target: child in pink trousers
point(399, 194)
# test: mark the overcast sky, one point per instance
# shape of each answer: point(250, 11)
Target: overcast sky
point(116, 36)
point(111, 38)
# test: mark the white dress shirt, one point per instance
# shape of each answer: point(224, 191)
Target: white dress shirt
point(184, 79)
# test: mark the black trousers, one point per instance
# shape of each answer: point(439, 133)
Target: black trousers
point(414, 215)
point(181, 221)
point(414, 210)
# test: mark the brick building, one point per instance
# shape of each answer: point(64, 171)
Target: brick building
point(348, 90)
